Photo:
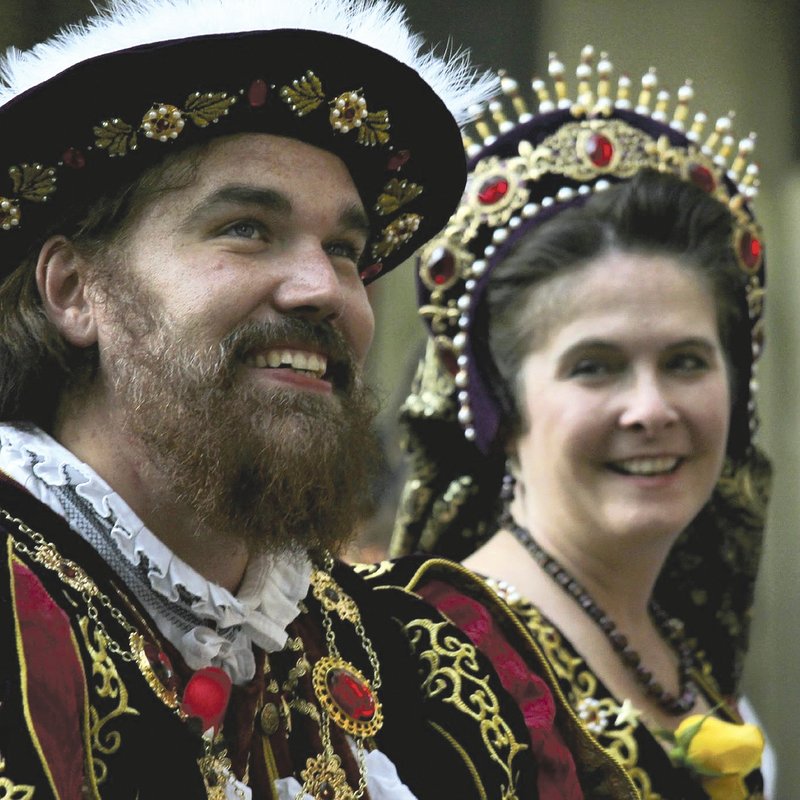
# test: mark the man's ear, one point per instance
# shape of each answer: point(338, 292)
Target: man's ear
point(61, 278)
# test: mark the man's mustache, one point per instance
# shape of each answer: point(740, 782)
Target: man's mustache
point(300, 333)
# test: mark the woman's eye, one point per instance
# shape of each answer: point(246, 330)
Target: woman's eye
point(687, 362)
point(590, 368)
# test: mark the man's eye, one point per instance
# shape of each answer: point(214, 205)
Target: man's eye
point(346, 250)
point(245, 229)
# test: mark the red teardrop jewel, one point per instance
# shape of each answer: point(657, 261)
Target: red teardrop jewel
point(702, 177)
point(493, 191)
point(257, 93)
point(206, 696)
point(599, 149)
point(351, 694)
point(750, 251)
point(371, 271)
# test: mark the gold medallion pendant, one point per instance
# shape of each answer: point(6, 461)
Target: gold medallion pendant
point(324, 779)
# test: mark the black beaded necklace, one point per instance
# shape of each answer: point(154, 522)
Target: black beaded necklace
point(671, 629)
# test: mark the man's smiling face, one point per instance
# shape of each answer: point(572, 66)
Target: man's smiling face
point(232, 337)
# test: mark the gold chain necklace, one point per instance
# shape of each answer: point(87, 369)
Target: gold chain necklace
point(343, 693)
point(214, 764)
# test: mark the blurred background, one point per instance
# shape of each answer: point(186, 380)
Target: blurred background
point(742, 55)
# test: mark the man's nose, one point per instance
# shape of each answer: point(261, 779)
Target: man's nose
point(310, 286)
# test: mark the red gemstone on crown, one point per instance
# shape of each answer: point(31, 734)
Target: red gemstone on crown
point(351, 694)
point(398, 160)
point(74, 158)
point(750, 251)
point(702, 177)
point(441, 266)
point(257, 93)
point(599, 149)
point(493, 191)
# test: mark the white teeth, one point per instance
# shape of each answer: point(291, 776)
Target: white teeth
point(295, 359)
point(647, 466)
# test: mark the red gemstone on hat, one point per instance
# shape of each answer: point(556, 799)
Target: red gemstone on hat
point(493, 191)
point(351, 694)
point(750, 250)
point(371, 271)
point(257, 93)
point(74, 158)
point(206, 696)
point(599, 149)
point(397, 160)
point(702, 177)
point(441, 266)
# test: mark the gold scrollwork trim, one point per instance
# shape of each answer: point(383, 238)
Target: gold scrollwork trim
point(14, 791)
point(109, 687)
point(454, 676)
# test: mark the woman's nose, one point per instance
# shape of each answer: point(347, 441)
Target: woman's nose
point(649, 405)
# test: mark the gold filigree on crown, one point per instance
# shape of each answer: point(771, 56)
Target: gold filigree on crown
point(595, 147)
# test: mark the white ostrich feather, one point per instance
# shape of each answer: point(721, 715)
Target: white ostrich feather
point(129, 23)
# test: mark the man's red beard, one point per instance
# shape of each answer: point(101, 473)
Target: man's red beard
point(275, 467)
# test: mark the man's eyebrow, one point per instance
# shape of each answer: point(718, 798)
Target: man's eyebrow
point(356, 219)
point(352, 218)
point(238, 194)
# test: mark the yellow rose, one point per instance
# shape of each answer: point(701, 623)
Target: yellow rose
point(727, 787)
point(720, 752)
point(713, 746)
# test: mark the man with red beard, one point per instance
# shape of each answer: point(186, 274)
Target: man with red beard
point(198, 192)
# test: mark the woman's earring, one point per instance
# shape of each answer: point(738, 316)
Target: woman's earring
point(507, 493)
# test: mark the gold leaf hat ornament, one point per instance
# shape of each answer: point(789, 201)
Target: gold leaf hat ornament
point(523, 171)
point(92, 108)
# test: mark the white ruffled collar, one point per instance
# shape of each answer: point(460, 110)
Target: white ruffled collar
point(259, 613)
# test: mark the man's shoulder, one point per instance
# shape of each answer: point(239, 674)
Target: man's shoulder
point(464, 635)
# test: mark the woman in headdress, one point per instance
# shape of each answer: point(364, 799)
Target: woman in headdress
point(581, 426)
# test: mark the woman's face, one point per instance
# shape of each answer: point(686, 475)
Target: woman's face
point(627, 401)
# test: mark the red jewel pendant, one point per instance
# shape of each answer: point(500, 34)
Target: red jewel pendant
point(346, 695)
point(206, 696)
